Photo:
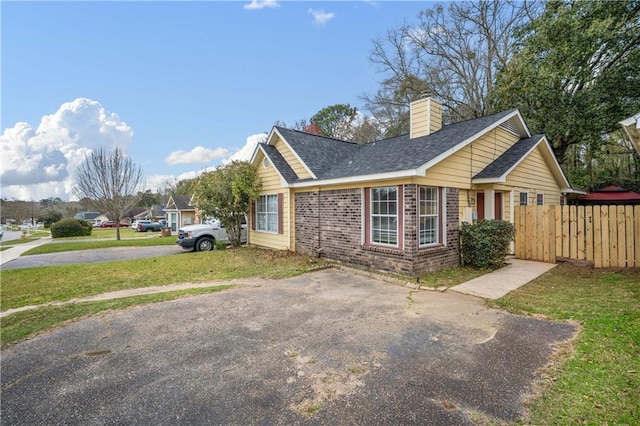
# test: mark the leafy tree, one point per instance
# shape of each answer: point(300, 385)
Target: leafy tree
point(366, 131)
point(50, 216)
point(575, 76)
point(335, 121)
point(148, 198)
point(453, 52)
point(226, 194)
point(50, 202)
point(109, 182)
point(185, 187)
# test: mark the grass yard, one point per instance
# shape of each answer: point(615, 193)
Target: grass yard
point(68, 244)
point(126, 232)
point(35, 286)
point(599, 382)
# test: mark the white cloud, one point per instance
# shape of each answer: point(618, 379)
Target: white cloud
point(38, 163)
point(257, 4)
point(159, 182)
point(320, 17)
point(244, 153)
point(197, 155)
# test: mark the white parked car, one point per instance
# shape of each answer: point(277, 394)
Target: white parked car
point(135, 224)
point(203, 237)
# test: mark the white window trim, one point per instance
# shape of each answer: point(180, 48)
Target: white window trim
point(375, 243)
point(264, 231)
point(439, 194)
point(520, 198)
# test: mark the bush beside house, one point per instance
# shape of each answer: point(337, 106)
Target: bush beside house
point(485, 244)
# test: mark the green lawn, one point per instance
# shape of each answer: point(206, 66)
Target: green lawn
point(598, 382)
point(35, 286)
point(73, 245)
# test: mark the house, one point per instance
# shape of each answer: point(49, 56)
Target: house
point(610, 195)
point(180, 211)
point(155, 213)
point(91, 217)
point(396, 204)
point(632, 127)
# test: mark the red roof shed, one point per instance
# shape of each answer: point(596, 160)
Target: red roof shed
point(610, 195)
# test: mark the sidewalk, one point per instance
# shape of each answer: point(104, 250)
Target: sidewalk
point(496, 284)
point(15, 251)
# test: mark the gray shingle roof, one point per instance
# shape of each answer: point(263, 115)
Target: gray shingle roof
point(331, 158)
point(319, 153)
point(182, 202)
point(509, 158)
point(280, 163)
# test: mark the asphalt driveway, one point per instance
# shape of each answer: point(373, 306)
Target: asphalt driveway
point(90, 256)
point(328, 347)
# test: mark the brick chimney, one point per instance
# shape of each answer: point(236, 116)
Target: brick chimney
point(425, 117)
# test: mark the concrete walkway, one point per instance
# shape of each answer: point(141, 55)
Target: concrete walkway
point(17, 250)
point(496, 284)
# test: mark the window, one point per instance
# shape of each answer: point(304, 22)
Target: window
point(428, 215)
point(540, 199)
point(384, 215)
point(267, 213)
point(524, 198)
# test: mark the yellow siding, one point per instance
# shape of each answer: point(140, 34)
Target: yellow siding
point(288, 155)
point(426, 117)
point(271, 185)
point(458, 169)
point(533, 176)
point(435, 116)
point(419, 119)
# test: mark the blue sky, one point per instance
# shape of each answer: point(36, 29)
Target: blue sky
point(181, 86)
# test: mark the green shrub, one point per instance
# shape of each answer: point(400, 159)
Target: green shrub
point(71, 228)
point(485, 243)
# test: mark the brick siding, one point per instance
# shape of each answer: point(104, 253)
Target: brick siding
point(330, 223)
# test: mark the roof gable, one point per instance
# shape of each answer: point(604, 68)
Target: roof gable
point(279, 163)
point(499, 169)
point(179, 202)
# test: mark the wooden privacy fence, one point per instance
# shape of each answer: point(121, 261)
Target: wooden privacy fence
point(608, 236)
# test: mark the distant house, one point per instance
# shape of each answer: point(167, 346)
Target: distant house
point(610, 195)
point(179, 211)
point(91, 217)
point(155, 213)
point(632, 127)
point(396, 204)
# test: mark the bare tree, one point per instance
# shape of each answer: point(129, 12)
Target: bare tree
point(110, 182)
point(453, 52)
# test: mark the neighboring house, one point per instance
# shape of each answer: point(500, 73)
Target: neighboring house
point(155, 213)
point(134, 214)
point(610, 195)
point(632, 126)
point(179, 211)
point(396, 204)
point(91, 217)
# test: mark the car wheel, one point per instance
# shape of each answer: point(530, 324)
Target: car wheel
point(204, 244)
